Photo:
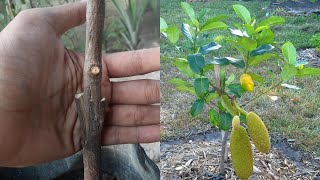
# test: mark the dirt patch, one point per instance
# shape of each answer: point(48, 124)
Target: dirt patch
point(198, 158)
point(312, 56)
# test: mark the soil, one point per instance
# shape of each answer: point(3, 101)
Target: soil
point(312, 56)
point(197, 157)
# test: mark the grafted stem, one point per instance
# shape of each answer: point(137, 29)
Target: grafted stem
point(90, 104)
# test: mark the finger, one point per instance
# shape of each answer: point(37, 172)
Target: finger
point(131, 63)
point(125, 135)
point(65, 17)
point(133, 115)
point(135, 92)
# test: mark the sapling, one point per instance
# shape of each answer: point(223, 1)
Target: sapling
point(255, 45)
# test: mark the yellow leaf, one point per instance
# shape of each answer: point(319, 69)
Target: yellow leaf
point(246, 82)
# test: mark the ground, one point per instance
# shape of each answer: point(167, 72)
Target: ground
point(293, 117)
point(197, 157)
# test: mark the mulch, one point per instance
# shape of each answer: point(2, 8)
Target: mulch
point(200, 160)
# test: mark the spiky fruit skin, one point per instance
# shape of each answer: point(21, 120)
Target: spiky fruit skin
point(246, 82)
point(235, 122)
point(258, 132)
point(241, 152)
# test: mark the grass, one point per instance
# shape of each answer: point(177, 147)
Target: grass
point(294, 115)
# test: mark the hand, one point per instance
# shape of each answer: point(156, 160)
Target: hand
point(38, 81)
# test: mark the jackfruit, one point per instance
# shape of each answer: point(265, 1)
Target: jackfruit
point(241, 152)
point(246, 82)
point(258, 132)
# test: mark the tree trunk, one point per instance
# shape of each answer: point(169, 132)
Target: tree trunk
point(224, 134)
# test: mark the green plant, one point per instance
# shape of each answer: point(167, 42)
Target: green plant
point(131, 19)
point(208, 79)
point(315, 41)
point(112, 37)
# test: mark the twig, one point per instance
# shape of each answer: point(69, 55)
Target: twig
point(90, 104)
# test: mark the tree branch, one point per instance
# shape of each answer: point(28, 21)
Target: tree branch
point(90, 104)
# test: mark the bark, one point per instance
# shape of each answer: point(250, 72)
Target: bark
point(224, 134)
point(90, 104)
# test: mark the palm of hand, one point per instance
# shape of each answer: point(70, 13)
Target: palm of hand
point(41, 97)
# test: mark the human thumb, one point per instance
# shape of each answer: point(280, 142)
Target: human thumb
point(65, 17)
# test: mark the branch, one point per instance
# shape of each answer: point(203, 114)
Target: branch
point(90, 105)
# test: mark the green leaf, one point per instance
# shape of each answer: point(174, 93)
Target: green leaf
point(220, 61)
point(197, 107)
point(256, 77)
point(221, 108)
point(225, 120)
point(185, 28)
point(211, 95)
point(226, 103)
point(309, 71)
point(226, 61)
point(239, 63)
point(177, 81)
point(247, 43)
point(214, 117)
point(236, 89)
point(163, 25)
point(222, 78)
point(259, 29)
point(188, 89)
point(288, 72)
point(209, 48)
point(261, 50)
point(201, 86)
point(202, 13)
point(265, 37)
point(242, 13)
point(208, 67)
point(249, 29)
point(190, 12)
point(213, 26)
point(172, 34)
point(196, 63)
point(216, 18)
point(271, 21)
point(289, 51)
point(184, 67)
point(256, 60)
point(230, 79)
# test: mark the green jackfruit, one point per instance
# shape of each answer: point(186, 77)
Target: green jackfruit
point(258, 132)
point(241, 152)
